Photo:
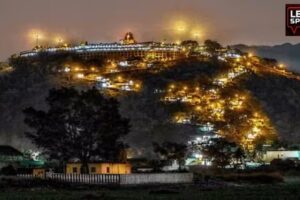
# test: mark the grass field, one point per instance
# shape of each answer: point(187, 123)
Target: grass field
point(284, 191)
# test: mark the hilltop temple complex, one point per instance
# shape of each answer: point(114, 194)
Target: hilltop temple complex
point(126, 48)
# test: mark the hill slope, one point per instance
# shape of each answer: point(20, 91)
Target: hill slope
point(273, 96)
point(286, 53)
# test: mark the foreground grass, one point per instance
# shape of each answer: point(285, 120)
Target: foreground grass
point(288, 191)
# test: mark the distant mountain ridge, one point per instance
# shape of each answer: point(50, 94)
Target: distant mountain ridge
point(286, 53)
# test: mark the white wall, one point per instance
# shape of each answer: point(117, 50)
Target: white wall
point(271, 155)
point(159, 178)
point(122, 179)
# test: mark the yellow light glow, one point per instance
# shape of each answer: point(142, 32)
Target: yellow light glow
point(251, 136)
point(196, 33)
point(59, 40)
point(137, 85)
point(180, 26)
point(80, 75)
point(172, 86)
point(281, 66)
point(36, 33)
point(36, 36)
point(255, 129)
point(113, 64)
point(250, 55)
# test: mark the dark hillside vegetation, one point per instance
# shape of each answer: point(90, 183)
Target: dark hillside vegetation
point(150, 119)
point(280, 98)
point(287, 53)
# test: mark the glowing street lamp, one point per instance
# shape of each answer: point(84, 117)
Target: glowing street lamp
point(59, 40)
point(172, 86)
point(251, 136)
point(198, 108)
point(137, 86)
point(178, 42)
point(196, 34)
point(119, 78)
point(37, 39)
point(281, 66)
point(76, 69)
point(255, 129)
point(67, 69)
point(180, 27)
point(80, 75)
point(37, 36)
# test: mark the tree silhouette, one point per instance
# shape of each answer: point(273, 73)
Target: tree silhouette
point(82, 125)
point(171, 151)
point(222, 152)
point(212, 46)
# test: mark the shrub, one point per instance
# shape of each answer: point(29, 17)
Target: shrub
point(283, 165)
point(254, 177)
point(8, 171)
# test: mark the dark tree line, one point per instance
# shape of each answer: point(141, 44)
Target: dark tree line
point(78, 124)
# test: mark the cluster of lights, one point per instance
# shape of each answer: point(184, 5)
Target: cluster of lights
point(224, 79)
point(210, 106)
point(39, 36)
point(102, 47)
point(196, 146)
point(118, 83)
point(237, 102)
point(206, 104)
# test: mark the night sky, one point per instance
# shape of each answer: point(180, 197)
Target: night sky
point(228, 21)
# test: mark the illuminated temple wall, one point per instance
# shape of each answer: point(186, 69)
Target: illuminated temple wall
point(130, 54)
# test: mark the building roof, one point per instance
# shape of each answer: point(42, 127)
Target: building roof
point(98, 162)
point(6, 150)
